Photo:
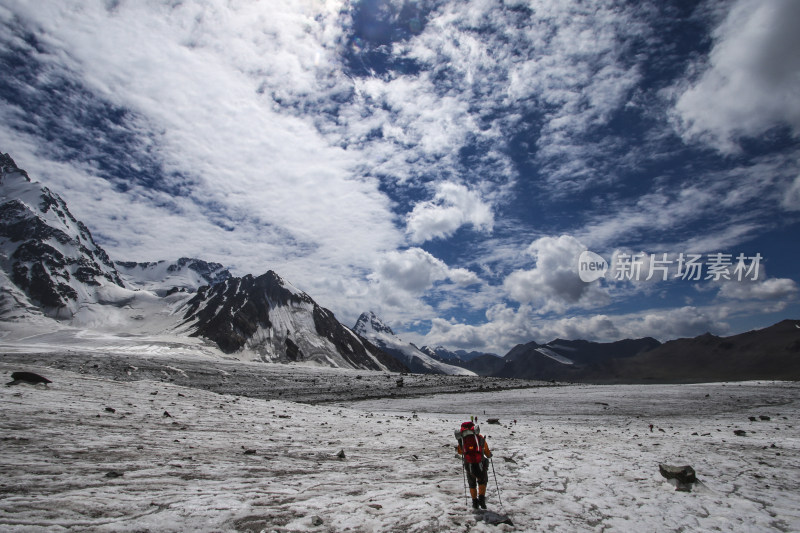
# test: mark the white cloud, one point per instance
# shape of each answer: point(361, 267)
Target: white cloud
point(453, 206)
point(506, 327)
point(261, 187)
point(752, 81)
point(767, 289)
point(553, 284)
point(791, 197)
point(415, 271)
point(742, 200)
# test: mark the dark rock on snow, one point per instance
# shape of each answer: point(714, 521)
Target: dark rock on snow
point(27, 377)
point(682, 477)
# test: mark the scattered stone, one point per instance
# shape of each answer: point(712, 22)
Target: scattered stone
point(375, 506)
point(167, 415)
point(316, 521)
point(740, 432)
point(752, 418)
point(249, 452)
point(110, 410)
point(508, 459)
point(114, 474)
point(764, 417)
point(27, 377)
point(492, 518)
point(682, 477)
point(341, 454)
point(493, 421)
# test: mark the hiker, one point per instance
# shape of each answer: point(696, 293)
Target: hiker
point(475, 454)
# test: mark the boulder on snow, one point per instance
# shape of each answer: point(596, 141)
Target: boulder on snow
point(27, 377)
point(492, 518)
point(493, 421)
point(682, 477)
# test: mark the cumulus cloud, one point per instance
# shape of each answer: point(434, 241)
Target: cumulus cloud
point(767, 289)
point(506, 327)
point(453, 206)
point(553, 284)
point(415, 271)
point(752, 81)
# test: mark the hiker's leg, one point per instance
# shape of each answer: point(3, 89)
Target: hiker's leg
point(483, 480)
point(472, 481)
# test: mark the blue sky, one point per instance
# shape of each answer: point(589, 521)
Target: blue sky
point(441, 163)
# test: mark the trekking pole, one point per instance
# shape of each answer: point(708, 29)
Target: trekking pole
point(496, 484)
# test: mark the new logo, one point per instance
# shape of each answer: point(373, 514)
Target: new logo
point(591, 266)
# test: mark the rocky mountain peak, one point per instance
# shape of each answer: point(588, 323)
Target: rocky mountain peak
point(369, 322)
point(46, 251)
point(8, 166)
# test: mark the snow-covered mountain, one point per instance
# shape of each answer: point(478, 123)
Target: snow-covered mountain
point(376, 331)
point(186, 274)
point(457, 357)
point(269, 316)
point(55, 278)
point(45, 251)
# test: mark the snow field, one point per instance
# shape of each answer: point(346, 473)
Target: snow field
point(581, 459)
point(190, 471)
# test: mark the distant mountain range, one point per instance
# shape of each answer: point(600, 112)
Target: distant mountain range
point(53, 274)
point(770, 353)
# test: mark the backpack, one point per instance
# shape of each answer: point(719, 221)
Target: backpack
point(471, 443)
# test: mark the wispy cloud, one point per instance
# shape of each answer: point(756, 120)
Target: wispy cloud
point(750, 83)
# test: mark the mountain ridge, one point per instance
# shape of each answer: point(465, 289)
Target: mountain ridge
point(54, 267)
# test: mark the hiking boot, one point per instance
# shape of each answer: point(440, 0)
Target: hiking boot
point(481, 501)
point(475, 503)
